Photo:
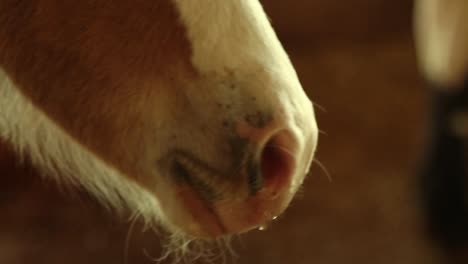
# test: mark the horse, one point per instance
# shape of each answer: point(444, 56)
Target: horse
point(187, 113)
point(190, 114)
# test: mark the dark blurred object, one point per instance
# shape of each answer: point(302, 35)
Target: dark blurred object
point(444, 175)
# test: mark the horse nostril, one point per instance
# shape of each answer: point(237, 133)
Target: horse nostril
point(277, 162)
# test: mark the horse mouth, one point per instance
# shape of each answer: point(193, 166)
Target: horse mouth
point(199, 187)
point(203, 179)
point(256, 186)
point(212, 185)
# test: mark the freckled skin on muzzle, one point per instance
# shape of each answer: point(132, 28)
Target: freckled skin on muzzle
point(239, 157)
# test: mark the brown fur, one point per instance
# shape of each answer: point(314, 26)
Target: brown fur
point(96, 71)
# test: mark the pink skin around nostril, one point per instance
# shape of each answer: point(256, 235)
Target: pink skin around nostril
point(278, 169)
point(277, 163)
point(277, 157)
point(276, 154)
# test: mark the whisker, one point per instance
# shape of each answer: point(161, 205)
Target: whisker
point(319, 107)
point(131, 228)
point(151, 258)
point(287, 151)
point(226, 244)
point(324, 169)
point(323, 132)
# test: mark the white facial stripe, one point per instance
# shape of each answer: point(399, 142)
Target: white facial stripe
point(441, 34)
point(235, 36)
point(230, 34)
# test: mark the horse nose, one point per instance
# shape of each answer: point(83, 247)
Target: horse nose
point(271, 177)
point(260, 189)
point(264, 167)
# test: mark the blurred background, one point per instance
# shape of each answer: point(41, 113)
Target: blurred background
point(356, 61)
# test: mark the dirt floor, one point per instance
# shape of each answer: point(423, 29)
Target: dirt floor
point(371, 109)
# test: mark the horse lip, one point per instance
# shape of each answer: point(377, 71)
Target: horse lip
point(203, 179)
point(209, 223)
point(213, 199)
point(199, 188)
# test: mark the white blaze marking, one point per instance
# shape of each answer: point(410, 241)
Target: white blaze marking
point(231, 34)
